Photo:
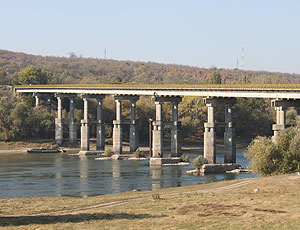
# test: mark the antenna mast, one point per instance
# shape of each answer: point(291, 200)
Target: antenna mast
point(243, 60)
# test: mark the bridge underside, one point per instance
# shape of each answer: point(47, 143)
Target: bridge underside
point(213, 96)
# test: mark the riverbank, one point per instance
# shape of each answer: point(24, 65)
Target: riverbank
point(257, 203)
point(20, 147)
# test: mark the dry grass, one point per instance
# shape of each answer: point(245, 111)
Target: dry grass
point(19, 145)
point(265, 203)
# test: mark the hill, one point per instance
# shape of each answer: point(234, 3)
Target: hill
point(80, 70)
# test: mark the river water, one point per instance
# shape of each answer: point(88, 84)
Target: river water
point(27, 175)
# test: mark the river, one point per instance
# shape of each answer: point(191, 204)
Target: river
point(28, 175)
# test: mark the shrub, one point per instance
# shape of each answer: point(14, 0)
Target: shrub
point(138, 154)
point(107, 153)
point(198, 162)
point(265, 156)
point(269, 158)
point(184, 158)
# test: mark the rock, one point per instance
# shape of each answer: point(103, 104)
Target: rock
point(116, 157)
point(103, 158)
point(240, 170)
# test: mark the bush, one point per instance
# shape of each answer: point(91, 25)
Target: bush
point(184, 158)
point(138, 154)
point(265, 156)
point(268, 158)
point(107, 153)
point(198, 162)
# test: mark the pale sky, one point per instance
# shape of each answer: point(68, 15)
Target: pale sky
point(200, 33)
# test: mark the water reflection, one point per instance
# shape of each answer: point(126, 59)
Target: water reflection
point(60, 174)
point(83, 170)
point(156, 173)
point(116, 174)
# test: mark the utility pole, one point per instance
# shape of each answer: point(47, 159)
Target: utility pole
point(150, 137)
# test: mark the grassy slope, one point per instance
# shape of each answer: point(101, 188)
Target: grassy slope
point(274, 205)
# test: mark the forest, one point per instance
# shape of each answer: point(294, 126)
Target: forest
point(19, 120)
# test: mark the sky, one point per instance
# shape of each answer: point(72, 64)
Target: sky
point(201, 33)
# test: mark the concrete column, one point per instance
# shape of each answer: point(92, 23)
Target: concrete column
point(59, 123)
point(157, 145)
point(72, 124)
point(117, 130)
point(175, 132)
point(49, 104)
point(280, 121)
point(133, 132)
point(85, 137)
point(229, 137)
point(100, 126)
point(210, 135)
point(37, 101)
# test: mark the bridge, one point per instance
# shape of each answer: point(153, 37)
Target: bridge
point(283, 96)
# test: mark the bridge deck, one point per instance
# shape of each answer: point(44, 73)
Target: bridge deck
point(282, 91)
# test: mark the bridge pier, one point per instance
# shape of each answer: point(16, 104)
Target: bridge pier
point(100, 126)
point(280, 106)
point(175, 132)
point(134, 131)
point(157, 145)
point(117, 129)
point(37, 100)
point(59, 122)
point(229, 136)
point(72, 123)
point(85, 136)
point(158, 126)
point(210, 133)
point(49, 104)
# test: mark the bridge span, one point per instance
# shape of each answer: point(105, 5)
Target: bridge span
point(283, 96)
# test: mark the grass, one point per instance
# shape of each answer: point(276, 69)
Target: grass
point(21, 145)
point(265, 203)
point(170, 86)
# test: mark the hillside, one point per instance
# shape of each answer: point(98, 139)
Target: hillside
point(91, 70)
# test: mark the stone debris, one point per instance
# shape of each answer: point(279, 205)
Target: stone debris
point(240, 170)
point(180, 164)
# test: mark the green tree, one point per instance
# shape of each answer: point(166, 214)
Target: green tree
point(33, 75)
point(216, 78)
point(4, 80)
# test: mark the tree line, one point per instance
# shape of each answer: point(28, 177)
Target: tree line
point(257, 114)
point(78, 70)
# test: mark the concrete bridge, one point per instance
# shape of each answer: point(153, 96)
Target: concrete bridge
point(283, 96)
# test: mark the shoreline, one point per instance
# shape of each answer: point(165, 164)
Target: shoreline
point(252, 203)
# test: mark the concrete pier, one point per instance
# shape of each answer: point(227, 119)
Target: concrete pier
point(49, 104)
point(157, 133)
point(37, 100)
point(100, 125)
point(133, 131)
point(117, 129)
point(72, 124)
point(85, 136)
point(280, 106)
point(59, 122)
point(210, 133)
point(175, 132)
point(229, 136)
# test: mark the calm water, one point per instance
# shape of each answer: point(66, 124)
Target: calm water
point(61, 174)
